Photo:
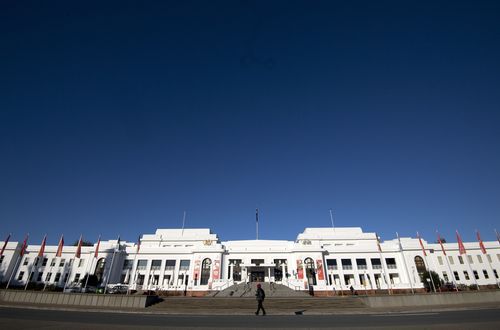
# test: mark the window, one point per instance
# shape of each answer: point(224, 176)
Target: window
point(156, 264)
point(461, 260)
point(39, 277)
point(26, 260)
point(142, 264)
point(466, 275)
point(77, 278)
point(66, 277)
point(44, 262)
point(70, 262)
point(20, 277)
point(47, 278)
point(391, 263)
point(331, 264)
point(419, 263)
point(81, 262)
point(1, 259)
point(35, 262)
point(57, 278)
point(140, 279)
point(376, 264)
point(61, 263)
point(440, 260)
point(128, 264)
point(485, 274)
point(495, 272)
point(489, 258)
point(470, 259)
point(53, 262)
point(257, 262)
point(184, 266)
point(361, 263)
point(480, 259)
point(346, 264)
point(457, 278)
point(476, 275)
point(445, 276)
point(170, 265)
point(206, 265)
point(450, 259)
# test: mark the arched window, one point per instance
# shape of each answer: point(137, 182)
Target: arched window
point(205, 271)
point(420, 264)
point(310, 271)
point(99, 269)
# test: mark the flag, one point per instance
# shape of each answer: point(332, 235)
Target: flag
point(78, 252)
point(138, 244)
point(42, 247)
point(96, 253)
point(5, 245)
point(378, 243)
point(481, 244)
point(441, 243)
point(461, 247)
point(25, 244)
point(421, 244)
point(60, 247)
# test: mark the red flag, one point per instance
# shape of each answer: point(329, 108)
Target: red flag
point(42, 247)
point(96, 253)
point(378, 243)
point(5, 245)
point(60, 247)
point(461, 247)
point(440, 241)
point(481, 244)
point(25, 244)
point(421, 244)
point(78, 252)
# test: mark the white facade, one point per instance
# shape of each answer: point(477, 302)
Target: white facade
point(195, 260)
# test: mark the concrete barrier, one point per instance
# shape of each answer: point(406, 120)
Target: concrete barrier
point(433, 299)
point(77, 299)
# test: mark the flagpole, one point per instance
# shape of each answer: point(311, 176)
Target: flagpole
point(331, 219)
point(257, 223)
point(87, 272)
point(384, 268)
point(427, 262)
point(463, 251)
point(404, 261)
point(183, 223)
point(13, 271)
point(133, 273)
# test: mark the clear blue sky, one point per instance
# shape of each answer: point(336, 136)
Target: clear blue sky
point(117, 117)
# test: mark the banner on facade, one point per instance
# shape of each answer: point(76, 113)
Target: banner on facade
point(216, 270)
point(300, 270)
point(319, 269)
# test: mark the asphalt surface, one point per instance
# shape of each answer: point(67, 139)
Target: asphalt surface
point(22, 318)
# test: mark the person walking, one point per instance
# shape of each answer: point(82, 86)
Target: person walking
point(260, 295)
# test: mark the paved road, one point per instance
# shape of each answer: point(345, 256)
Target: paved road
point(20, 318)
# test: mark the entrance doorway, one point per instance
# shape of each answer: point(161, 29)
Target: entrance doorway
point(257, 276)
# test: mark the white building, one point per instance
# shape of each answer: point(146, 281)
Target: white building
point(195, 261)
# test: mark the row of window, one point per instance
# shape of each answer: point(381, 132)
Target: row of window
point(142, 264)
point(467, 277)
point(43, 262)
point(470, 259)
point(361, 263)
point(48, 276)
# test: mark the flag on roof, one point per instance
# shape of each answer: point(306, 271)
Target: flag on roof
point(96, 253)
point(440, 241)
point(461, 247)
point(25, 244)
point(41, 252)
point(78, 252)
point(421, 244)
point(5, 244)
point(481, 244)
point(60, 247)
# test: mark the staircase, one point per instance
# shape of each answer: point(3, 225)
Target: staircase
point(272, 290)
